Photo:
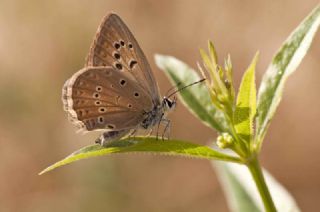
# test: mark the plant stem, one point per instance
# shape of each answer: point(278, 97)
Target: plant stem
point(257, 175)
point(241, 147)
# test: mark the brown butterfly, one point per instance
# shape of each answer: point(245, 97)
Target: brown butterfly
point(116, 91)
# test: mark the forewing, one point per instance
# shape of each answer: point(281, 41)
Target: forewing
point(114, 45)
point(104, 98)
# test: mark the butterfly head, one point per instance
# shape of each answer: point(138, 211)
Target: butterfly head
point(169, 104)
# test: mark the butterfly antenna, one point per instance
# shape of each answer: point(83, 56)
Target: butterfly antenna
point(173, 87)
point(184, 87)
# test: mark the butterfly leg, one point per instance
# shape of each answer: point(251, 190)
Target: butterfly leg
point(161, 119)
point(166, 128)
point(157, 136)
point(133, 134)
point(110, 136)
point(150, 132)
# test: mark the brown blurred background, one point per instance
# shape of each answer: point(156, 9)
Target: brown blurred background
point(42, 43)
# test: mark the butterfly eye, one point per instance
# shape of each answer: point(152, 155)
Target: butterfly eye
point(122, 42)
point(97, 102)
point(129, 105)
point(130, 45)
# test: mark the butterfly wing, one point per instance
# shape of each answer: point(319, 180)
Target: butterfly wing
point(99, 98)
point(114, 45)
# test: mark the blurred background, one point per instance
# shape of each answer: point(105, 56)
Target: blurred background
point(42, 43)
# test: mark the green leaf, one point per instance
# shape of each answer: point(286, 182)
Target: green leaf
point(242, 193)
point(237, 197)
point(213, 53)
point(196, 98)
point(246, 103)
point(283, 64)
point(146, 145)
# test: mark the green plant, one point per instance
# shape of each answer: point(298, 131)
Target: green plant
point(234, 116)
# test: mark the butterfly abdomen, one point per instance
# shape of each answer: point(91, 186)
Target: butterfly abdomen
point(110, 136)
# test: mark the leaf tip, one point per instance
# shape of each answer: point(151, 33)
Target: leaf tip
point(43, 172)
point(256, 57)
point(160, 60)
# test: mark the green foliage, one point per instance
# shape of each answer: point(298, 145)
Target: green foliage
point(240, 117)
point(238, 197)
point(219, 82)
point(246, 103)
point(214, 104)
point(146, 145)
point(196, 98)
point(284, 63)
point(242, 193)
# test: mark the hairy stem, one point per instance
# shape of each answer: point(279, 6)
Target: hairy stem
point(257, 175)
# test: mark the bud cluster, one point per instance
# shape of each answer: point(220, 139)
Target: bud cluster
point(221, 79)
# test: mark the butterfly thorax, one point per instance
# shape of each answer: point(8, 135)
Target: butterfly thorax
point(153, 117)
point(158, 113)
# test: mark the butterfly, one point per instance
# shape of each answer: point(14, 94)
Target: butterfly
point(116, 91)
